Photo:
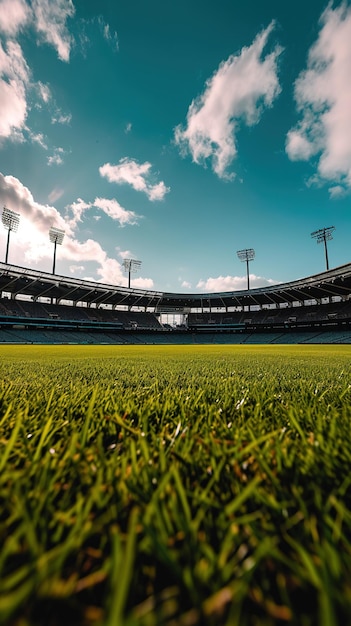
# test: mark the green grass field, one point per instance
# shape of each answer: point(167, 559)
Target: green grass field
point(175, 486)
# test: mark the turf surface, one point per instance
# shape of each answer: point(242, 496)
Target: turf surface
point(188, 485)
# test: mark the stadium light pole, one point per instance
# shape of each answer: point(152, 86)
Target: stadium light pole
point(56, 237)
point(131, 266)
point(323, 235)
point(247, 255)
point(10, 220)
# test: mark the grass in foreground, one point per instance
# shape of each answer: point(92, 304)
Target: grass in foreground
point(148, 486)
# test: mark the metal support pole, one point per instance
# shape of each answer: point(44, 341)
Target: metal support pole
point(324, 235)
point(7, 246)
point(10, 220)
point(56, 237)
point(131, 266)
point(326, 253)
point(247, 255)
point(54, 263)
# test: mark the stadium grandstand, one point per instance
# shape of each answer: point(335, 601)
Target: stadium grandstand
point(38, 307)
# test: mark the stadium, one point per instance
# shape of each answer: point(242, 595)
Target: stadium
point(174, 474)
point(39, 307)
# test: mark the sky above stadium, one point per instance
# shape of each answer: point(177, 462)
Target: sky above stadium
point(176, 133)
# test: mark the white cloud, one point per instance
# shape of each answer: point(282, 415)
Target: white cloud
point(14, 78)
point(111, 37)
point(18, 198)
point(142, 283)
point(76, 268)
point(233, 283)
point(77, 209)
point(89, 250)
point(125, 254)
point(323, 97)
point(31, 244)
point(50, 22)
point(239, 91)
point(57, 116)
point(338, 191)
point(44, 91)
point(113, 209)
point(111, 272)
point(48, 18)
point(61, 118)
point(86, 38)
point(57, 157)
point(298, 146)
point(186, 284)
point(137, 175)
point(37, 138)
point(16, 83)
point(14, 15)
point(128, 128)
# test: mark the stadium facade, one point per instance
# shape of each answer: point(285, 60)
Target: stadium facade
point(36, 304)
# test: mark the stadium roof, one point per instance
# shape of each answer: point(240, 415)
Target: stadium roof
point(19, 281)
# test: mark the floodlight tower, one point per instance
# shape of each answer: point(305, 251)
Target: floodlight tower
point(56, 237)
point(247, 255)
point(131, 266)
point(10, 220)
point(323, 235)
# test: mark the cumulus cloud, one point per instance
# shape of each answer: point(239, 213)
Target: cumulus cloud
point(237, 93)
point(37, 138)
point(48, 19)
point(57, 157)
point(44, 91)
point(14, 78)
point(61, 118)
point(125, 254)
point(88, 250)
point(113, 209)
point(111, 272)
point(142, 283)
point(138, 175)
point(233, 283)
point(50, 23)
point(338, 191)
point(110, 207)
point(76, 269)
point(14, 15)
point(18, 198)
point(323, 98)
point(75, 211)
point(31, 243)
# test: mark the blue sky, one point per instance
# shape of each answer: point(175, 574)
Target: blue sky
point(176, 133)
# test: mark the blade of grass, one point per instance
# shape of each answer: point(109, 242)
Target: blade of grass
point(11, 442)
point(122, 570)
